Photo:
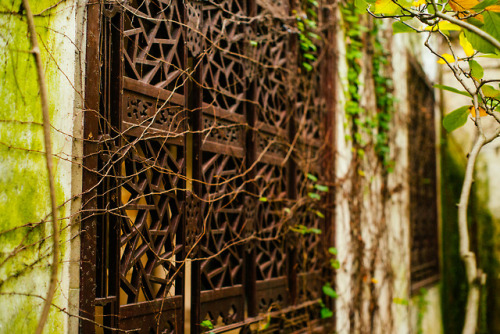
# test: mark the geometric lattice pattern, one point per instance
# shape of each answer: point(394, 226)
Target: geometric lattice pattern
point(153, 53)
point(223, 71)
point(210, 166)
point(152, 209)
point(271, 252)
point(223, 212)
point(272, 53)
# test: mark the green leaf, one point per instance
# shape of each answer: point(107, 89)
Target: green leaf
point(478, 43)
point(491, 26)
point(332, 250)
point(489, 91)
point(253, 43)
point(326, 313)
point(492, 23)
point(328, 290)
point(319, 214)
point(307, 66)
point(314, 230)
point(313, 36)
point(314, 196)
point(476, 22)
point(321, 188)
point(386, 7)
point(207, 324)
point(476, 71)
point(311, 23)
point(335, 263)
point(452, 89)
point(309, 56)
point(361, 5)
point(312, 177)
point(483, 4)
point(456, 118)
point(400, 27)
point(494, 56)
point(312, 12)
point(299, 229)
point(263, 199)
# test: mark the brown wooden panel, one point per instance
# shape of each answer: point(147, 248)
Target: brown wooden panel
point(184, 81)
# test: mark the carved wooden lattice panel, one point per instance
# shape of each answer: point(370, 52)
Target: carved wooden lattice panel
point(271, 253)
point(223, 165)
point(143, 226)
point(153, 43)
point(271, 50)
point(424, 263)
point(220, 248)
point(151, 238)
point(223, 77)
point(205, 147)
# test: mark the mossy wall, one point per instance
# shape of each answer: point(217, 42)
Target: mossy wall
point(454, 287)
point(25, 245)
point(482, 232)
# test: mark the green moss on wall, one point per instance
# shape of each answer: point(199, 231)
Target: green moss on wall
point(454, 286)
point(24, 199)
point(484, 245)
point(481, 226)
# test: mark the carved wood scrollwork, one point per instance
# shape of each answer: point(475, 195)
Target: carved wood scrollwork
point(193, 230)
point(250, 216)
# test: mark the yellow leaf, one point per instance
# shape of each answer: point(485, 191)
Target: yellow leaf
point(418, 3)
point(444, 26)
point(462, 5)
point(494, 8)
point(468, 49)
point(387, 7)
point(374, 280)
point(482, 112)
point(449, 58)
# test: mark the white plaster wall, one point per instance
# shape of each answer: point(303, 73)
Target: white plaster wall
point(343, 159)
point(69, 41)
point(398, 206)
point(397, 311)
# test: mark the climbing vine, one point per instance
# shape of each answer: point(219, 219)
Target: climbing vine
point(366, 127)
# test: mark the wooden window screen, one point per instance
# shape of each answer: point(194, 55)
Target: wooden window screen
point(423, 192)
point(200, 151)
